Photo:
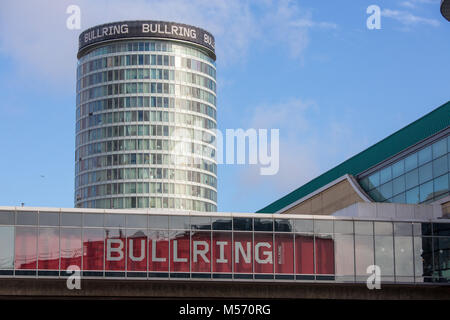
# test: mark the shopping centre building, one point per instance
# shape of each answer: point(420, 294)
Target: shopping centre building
point(144, 223)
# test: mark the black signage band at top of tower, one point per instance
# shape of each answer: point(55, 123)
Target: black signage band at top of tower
point(97, 35)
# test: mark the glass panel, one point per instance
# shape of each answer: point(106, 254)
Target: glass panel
point(412, 179)
point(398, 185)
point(412, 196)
point(386, 190)
point(222, 252)
point(403, 229)
point(398, 168)
point(26, 218)
point(411, 162)
point(242, 248)
point(303, 225)
point(426, 191)
point(385, 175)
point(201, 251)
point(441, 185)
point(221, 223)
point(137, 248)
point(179, 222)
point(6, 247)
point(26, 248)
point(71, 219)
point(137, 221)
point(6, 217)
point(439, 148)
point(383, 228)
point(71, 247)
point(48, 249)
point(441, 229)
point(49, 218)
point(363, 227)
point(115, 249)
point(304, 254)
point(93, 245)
point(284, 225)
point(323, 226)
point(425, 155)
point(404, 259)
point(442, 258)
point(158, 243)
point(158, 222)
point(284, 253)
point(180, 253)
point(200, 223)
point(263, 224)
point(324, 254)
point(345, 262)
point(440, 166)
point(423, 257)
point(364, 255)
point(243, 224)
point(384, 254)
point(93, 219)
point(341, 226)
point(115, 220)
point(401, 198)
point(263, 248)
point(374, 180)
point(425, 172)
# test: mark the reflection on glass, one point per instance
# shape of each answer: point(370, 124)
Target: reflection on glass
point(304, 225)
point(284, 253)
point(221, 223)
point(25, 248)
point(263, 224)
point(201, 251)
point(93, 253)
point(284, 225)
point(364, 254)
point(70, 247)
point(48, 249)
point(404, 257)
point(180, 251)
point(243, 224)
point(222, 252)
point(442, 258)
point(344, 255)
point(384, 254)
point(137, 249)
point(424, 155)
point(158, 244)
point(304, 254)
point(201, 222)
point(323, 226)
point(6, 247)
point(263, 249)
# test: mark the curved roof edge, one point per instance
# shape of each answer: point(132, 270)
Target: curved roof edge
point(422, 128)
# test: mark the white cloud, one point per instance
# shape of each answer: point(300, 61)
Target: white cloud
point(310, 143)
point(407, 18)
point(35, 34)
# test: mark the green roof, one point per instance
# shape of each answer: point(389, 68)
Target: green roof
point(426, 126)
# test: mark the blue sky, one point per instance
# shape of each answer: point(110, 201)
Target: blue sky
point(310, 68)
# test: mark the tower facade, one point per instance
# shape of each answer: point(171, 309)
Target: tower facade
point(146, 117)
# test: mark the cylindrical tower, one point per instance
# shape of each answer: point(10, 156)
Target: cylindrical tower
point(146, 117)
